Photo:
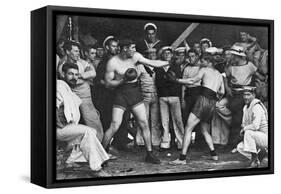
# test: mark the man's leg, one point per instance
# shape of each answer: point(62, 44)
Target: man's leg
point(165, 117)
point(192, 121)
point(120, 139)
point(91, 116)
point(140, 114)
point(117, 115)
point(86, 137)
point(139, 136)
point(155, 122)
point(208, 138)
point(177, 119)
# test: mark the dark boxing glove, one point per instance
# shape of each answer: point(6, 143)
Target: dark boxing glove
point(130, 75)
point(171, 76)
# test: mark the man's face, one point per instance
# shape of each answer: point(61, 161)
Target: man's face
point(100, 52)
point(197, 47)
point(113, 48)
point(92, 54)
point(130, 51)
point(152, 55)
point(151, 35)
point(204, 47)
point(248, 97)
point(60, 49)
point(243, 36)
point(167, 55)
point(74, 53)
point(205, 63)
point(71, 77)
point(192, 58)
point(228, 57)
point(180, 58)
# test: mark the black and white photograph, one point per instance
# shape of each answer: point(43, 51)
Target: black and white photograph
point(139, 96)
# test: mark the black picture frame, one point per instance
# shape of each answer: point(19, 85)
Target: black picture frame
point(43, 85)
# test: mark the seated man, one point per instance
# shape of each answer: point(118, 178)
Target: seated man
point(78, 136)
point(254, 128)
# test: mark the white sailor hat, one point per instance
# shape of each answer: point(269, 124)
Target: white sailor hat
point(206, 40)
point(249, 89)
point(214, 50)
point(107, 39)
point(164, 48)
point(150, 24)
point(180, 50)
point(237, 50)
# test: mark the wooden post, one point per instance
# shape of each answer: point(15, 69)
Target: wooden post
point(61, 21)
point(75, 28)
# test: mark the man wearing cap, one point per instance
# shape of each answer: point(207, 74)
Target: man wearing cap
point(203, 110)
point(169, 94)
point(204, 44)
point(254, 128)
point(149, 93)
point(82, 88)
point(122, 75)
point(103, 97)
point(239, 74)
point(150, 40)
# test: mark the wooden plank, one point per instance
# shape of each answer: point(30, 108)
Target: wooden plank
point(184, 35)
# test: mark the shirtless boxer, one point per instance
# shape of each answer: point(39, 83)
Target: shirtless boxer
point(121, 74)
point(203, 110)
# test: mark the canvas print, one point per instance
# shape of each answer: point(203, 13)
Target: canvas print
point(139, 96)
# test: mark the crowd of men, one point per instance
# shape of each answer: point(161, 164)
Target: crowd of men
point(161, 97)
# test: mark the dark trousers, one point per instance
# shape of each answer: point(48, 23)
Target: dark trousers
point(236, 104)
point(190, 97)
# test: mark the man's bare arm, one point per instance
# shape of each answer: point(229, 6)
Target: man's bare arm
point(153, 63)
point(89, 73)
point(109, 76)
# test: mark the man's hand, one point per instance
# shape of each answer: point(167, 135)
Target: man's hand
point(229, 91)
point(171, 76)
point(183, 104)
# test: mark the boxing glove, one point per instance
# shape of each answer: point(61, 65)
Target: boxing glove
point(130, 74)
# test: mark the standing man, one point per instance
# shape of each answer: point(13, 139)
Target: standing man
point(254, 128)
point(82, 87)
point(204, 44)
point(190, 92)
point(149, 93)
point(151, 40)
point(203, 110)
point(103, 97)
point(91, 53)
point(80, 137)
point(121, 74)
point(169, 98)
point(240, 74)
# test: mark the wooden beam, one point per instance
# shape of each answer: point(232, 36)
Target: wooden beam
point(184, 35)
